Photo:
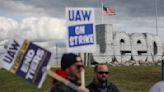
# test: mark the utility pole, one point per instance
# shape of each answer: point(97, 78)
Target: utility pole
point(57, 55)
point(156, 16)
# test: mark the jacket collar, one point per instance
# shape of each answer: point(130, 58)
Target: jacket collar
point(108, 83)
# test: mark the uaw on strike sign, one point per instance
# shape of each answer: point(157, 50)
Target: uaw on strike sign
point(26, 60)
point(81, 30)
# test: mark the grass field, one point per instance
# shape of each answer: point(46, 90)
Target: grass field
point(128, 79)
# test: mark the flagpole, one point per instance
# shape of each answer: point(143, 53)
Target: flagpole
point(102, 12)
point(156, 17)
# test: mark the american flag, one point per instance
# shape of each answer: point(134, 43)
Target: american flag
point(108, 11)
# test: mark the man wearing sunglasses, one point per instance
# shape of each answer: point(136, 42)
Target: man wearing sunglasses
point(71, 67)
point(101, 83)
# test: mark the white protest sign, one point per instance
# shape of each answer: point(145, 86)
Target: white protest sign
point(81, 30)
point(26, 60)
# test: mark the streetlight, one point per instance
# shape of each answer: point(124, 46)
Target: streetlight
point(156, 16)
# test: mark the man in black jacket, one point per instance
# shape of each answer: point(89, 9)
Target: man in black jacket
point(72, 65)
point(100, 82)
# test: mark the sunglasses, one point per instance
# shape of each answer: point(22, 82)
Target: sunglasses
point(79, 66)
point(101, 72)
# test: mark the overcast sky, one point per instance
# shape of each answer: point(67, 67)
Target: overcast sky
point(44, 20)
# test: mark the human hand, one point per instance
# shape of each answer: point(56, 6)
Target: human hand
point(82, 89)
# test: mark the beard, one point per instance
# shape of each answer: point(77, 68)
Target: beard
point(102, 80)
point(74, 76)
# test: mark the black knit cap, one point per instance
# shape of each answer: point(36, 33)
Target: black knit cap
point(68, 59)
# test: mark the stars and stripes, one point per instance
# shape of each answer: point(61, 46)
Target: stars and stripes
point(108, 11)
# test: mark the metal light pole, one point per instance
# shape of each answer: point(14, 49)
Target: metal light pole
point(156, 16)
point(57, 55)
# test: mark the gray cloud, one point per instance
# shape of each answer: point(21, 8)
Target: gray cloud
point(6, 26)
point(132, 15)
point(56, 8)
point(125, 7)
point(43, 28)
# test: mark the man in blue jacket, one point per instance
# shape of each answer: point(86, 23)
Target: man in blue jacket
point(101, 83)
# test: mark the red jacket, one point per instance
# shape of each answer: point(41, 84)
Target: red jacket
point(60, 72)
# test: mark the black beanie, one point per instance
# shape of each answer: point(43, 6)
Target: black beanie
point(68, 59)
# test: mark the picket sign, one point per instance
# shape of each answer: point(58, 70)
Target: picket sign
point(81, 36)
point(29, 61)
point(80, 30)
